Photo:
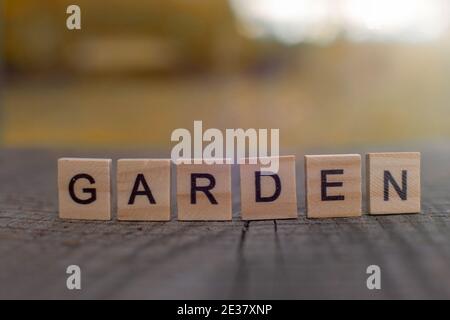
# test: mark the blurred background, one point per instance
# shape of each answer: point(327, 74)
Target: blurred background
point(326, 72)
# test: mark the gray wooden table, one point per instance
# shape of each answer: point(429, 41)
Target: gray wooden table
point(211, 260)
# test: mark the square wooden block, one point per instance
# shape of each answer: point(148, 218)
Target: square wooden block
point(84, 188)
point(393, 183)
point(143, 190)
point(269, 195)
point(204, 192)
point(333, 186)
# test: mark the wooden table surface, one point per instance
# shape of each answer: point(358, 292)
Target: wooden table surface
point(288, 259)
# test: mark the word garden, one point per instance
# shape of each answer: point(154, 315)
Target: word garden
point(203, 191)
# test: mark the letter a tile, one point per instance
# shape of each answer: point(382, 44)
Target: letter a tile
point(333, 186)
point(267, 195)
point(84, 188)
point(143, 189)
point(393, 182)
point(204, 192)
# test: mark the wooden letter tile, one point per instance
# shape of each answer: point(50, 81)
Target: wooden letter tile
point(204, 192)
point(269, 195)
point(84, 188)
point(333, 186)
point(393, 182)
point(143, 189)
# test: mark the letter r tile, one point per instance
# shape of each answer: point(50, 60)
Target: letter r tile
point(266, 195)
point(393, 182)
point(204, 192)
point(333, 186)
point(84, 188)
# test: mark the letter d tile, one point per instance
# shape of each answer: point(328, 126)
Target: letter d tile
point(84, 188)
point(268, 195)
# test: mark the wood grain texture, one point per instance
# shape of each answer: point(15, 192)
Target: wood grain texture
point(341, 175)
point(154, 180)
point(284, 206)
point(98, 190)
point(286, 259)
point(404, 169)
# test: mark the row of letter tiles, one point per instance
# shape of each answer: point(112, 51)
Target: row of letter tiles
point(333, 188)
